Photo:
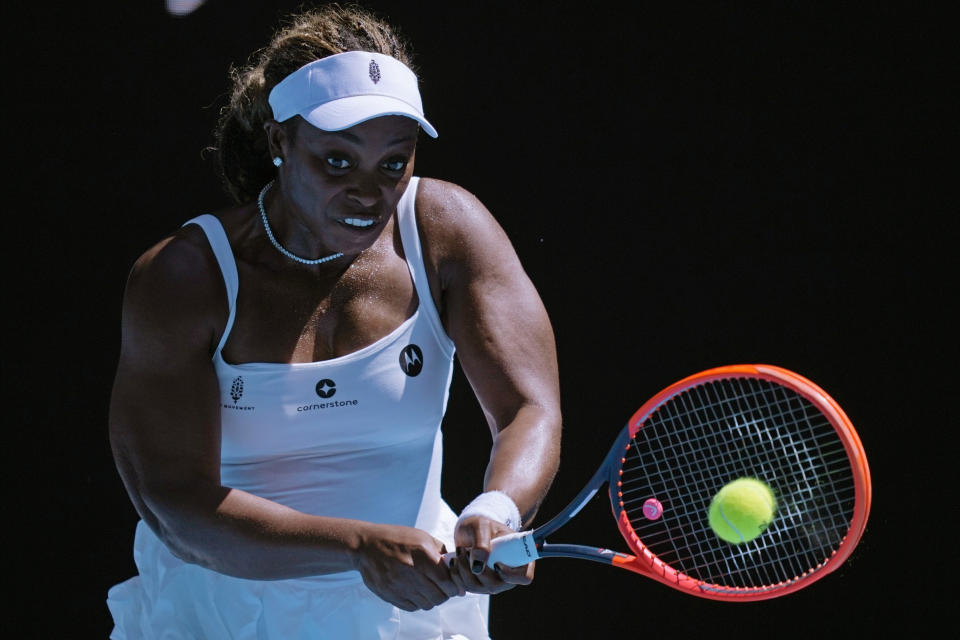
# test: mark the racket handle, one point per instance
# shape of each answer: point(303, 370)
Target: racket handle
point(512, 550)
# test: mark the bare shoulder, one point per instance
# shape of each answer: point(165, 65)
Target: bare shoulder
point(180, 262)
point(455, 224)
point(182, 251)
point(175, 286)
point(442, 197)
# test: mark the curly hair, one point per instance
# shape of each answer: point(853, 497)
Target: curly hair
point(241, 152)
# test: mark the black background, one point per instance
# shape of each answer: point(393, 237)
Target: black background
point(687, 188)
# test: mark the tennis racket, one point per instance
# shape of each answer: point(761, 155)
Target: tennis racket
point(686, 443)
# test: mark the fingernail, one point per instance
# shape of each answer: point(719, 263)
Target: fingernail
point(477, 566)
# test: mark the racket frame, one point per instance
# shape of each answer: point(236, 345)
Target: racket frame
point(644, 561)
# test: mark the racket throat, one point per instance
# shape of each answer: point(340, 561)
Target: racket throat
point(600, 478)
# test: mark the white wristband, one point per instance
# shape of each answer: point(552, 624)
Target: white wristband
point(495, 505)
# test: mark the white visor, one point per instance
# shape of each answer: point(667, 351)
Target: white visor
point(339, 91)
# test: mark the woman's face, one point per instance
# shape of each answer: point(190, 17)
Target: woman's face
point(341, 187)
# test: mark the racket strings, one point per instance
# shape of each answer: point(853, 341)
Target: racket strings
point(765, 464)
point(708, 435)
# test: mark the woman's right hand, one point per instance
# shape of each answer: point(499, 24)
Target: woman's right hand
point(404, 566)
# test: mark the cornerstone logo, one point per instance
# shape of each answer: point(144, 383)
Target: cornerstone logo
point(326, 388)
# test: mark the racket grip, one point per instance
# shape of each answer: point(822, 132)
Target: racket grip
point(512, 550)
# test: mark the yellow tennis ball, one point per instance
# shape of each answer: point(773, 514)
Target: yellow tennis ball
point(742, 510)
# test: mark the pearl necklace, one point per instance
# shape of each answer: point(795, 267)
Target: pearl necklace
point(266, 226)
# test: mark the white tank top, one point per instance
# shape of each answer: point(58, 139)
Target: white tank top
point(356, 436)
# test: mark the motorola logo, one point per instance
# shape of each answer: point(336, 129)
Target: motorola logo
point(411, 360)
point(326, 388)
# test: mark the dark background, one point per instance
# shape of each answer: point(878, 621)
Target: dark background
point(687, 188)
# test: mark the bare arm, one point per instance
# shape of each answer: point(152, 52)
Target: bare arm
point(165, 435)
point(506, 347)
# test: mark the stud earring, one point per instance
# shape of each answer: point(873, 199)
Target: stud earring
point(277, 161)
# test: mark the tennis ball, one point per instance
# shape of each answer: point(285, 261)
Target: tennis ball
point(742, 509)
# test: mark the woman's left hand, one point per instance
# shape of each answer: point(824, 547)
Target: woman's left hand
point(472, 537)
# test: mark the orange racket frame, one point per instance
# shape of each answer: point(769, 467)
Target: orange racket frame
point(646, 563)
point(786, 417)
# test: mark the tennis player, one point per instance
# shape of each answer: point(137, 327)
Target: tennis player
point(285, 367)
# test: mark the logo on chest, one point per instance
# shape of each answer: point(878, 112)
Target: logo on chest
point(236, 392)
point(411, 360)
point(326, 388)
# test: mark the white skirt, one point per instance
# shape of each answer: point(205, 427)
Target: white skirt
point(173, 600)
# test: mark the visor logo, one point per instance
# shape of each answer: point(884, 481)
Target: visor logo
point(374, 71)
point(411, 360)
point(326, 388)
